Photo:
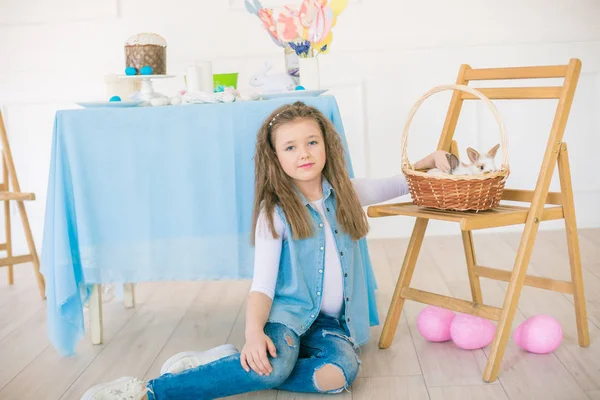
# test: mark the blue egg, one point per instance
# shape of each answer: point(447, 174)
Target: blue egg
point(299, 87)
point(146, 70)
point(130, 71)
point(115, 98)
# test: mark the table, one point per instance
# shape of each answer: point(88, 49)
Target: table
point(150, 194)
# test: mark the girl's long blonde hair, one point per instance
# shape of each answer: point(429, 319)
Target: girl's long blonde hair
point(272, 186)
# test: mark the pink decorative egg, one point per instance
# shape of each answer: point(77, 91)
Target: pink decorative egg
point(470, 333)
point(434, 323)
point(539, 334)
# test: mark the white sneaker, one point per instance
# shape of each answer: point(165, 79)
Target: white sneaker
point(126, 388)
point(191, 359)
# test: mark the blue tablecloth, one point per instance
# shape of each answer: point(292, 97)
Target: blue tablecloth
point(151, 194)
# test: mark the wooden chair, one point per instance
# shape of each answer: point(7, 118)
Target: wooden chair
point(503, 215)
point(7, 195)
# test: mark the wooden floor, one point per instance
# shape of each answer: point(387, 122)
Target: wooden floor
point(173, 317)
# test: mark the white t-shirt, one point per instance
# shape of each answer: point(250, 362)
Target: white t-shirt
point(268, 249)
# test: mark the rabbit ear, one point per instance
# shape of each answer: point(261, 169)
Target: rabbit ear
point(473, 154)
point(453, 161)
point(493, 150)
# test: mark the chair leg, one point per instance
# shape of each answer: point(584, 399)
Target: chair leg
point(8, 235)
point(36, 261)
point(469, 246)
point(564, 173)
point(408, 267)
point(511, 300)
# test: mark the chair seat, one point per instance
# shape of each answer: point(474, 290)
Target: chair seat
point(16, 196)
point(502, 215)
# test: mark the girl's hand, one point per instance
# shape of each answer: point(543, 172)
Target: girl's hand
point(254, 353)
point(441, 161)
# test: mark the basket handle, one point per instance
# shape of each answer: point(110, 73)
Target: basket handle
point(463, 88)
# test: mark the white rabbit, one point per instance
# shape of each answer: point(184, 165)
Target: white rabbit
point(482, 164)
point(479, 164)
point(272, 83)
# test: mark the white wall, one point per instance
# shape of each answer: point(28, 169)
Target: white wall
point(385, 54)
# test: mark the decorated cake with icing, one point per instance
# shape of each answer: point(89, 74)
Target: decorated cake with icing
point(146, 53)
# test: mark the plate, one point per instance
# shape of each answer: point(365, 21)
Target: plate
point(119, 104)
point(145, 76)
point(293, 93)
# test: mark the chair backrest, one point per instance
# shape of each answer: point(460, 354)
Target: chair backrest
point(564, 93)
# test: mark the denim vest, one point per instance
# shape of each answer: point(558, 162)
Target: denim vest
point(297, 299)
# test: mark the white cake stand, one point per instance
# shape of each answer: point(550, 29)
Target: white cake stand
point(147, 91)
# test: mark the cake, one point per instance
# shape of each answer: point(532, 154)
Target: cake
point(146, 49)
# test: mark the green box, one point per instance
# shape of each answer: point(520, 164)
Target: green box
point(225, 80)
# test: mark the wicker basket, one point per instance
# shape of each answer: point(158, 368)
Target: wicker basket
point(140, 55)
point(456, 192)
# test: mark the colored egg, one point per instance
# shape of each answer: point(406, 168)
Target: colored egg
point(469, 332)
point(433, 323)
point(130, 71)
point(146, 70)
point(539, 334)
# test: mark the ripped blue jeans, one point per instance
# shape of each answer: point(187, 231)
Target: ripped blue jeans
point(294, 369)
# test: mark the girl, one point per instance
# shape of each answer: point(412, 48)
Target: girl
point(308, 308)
